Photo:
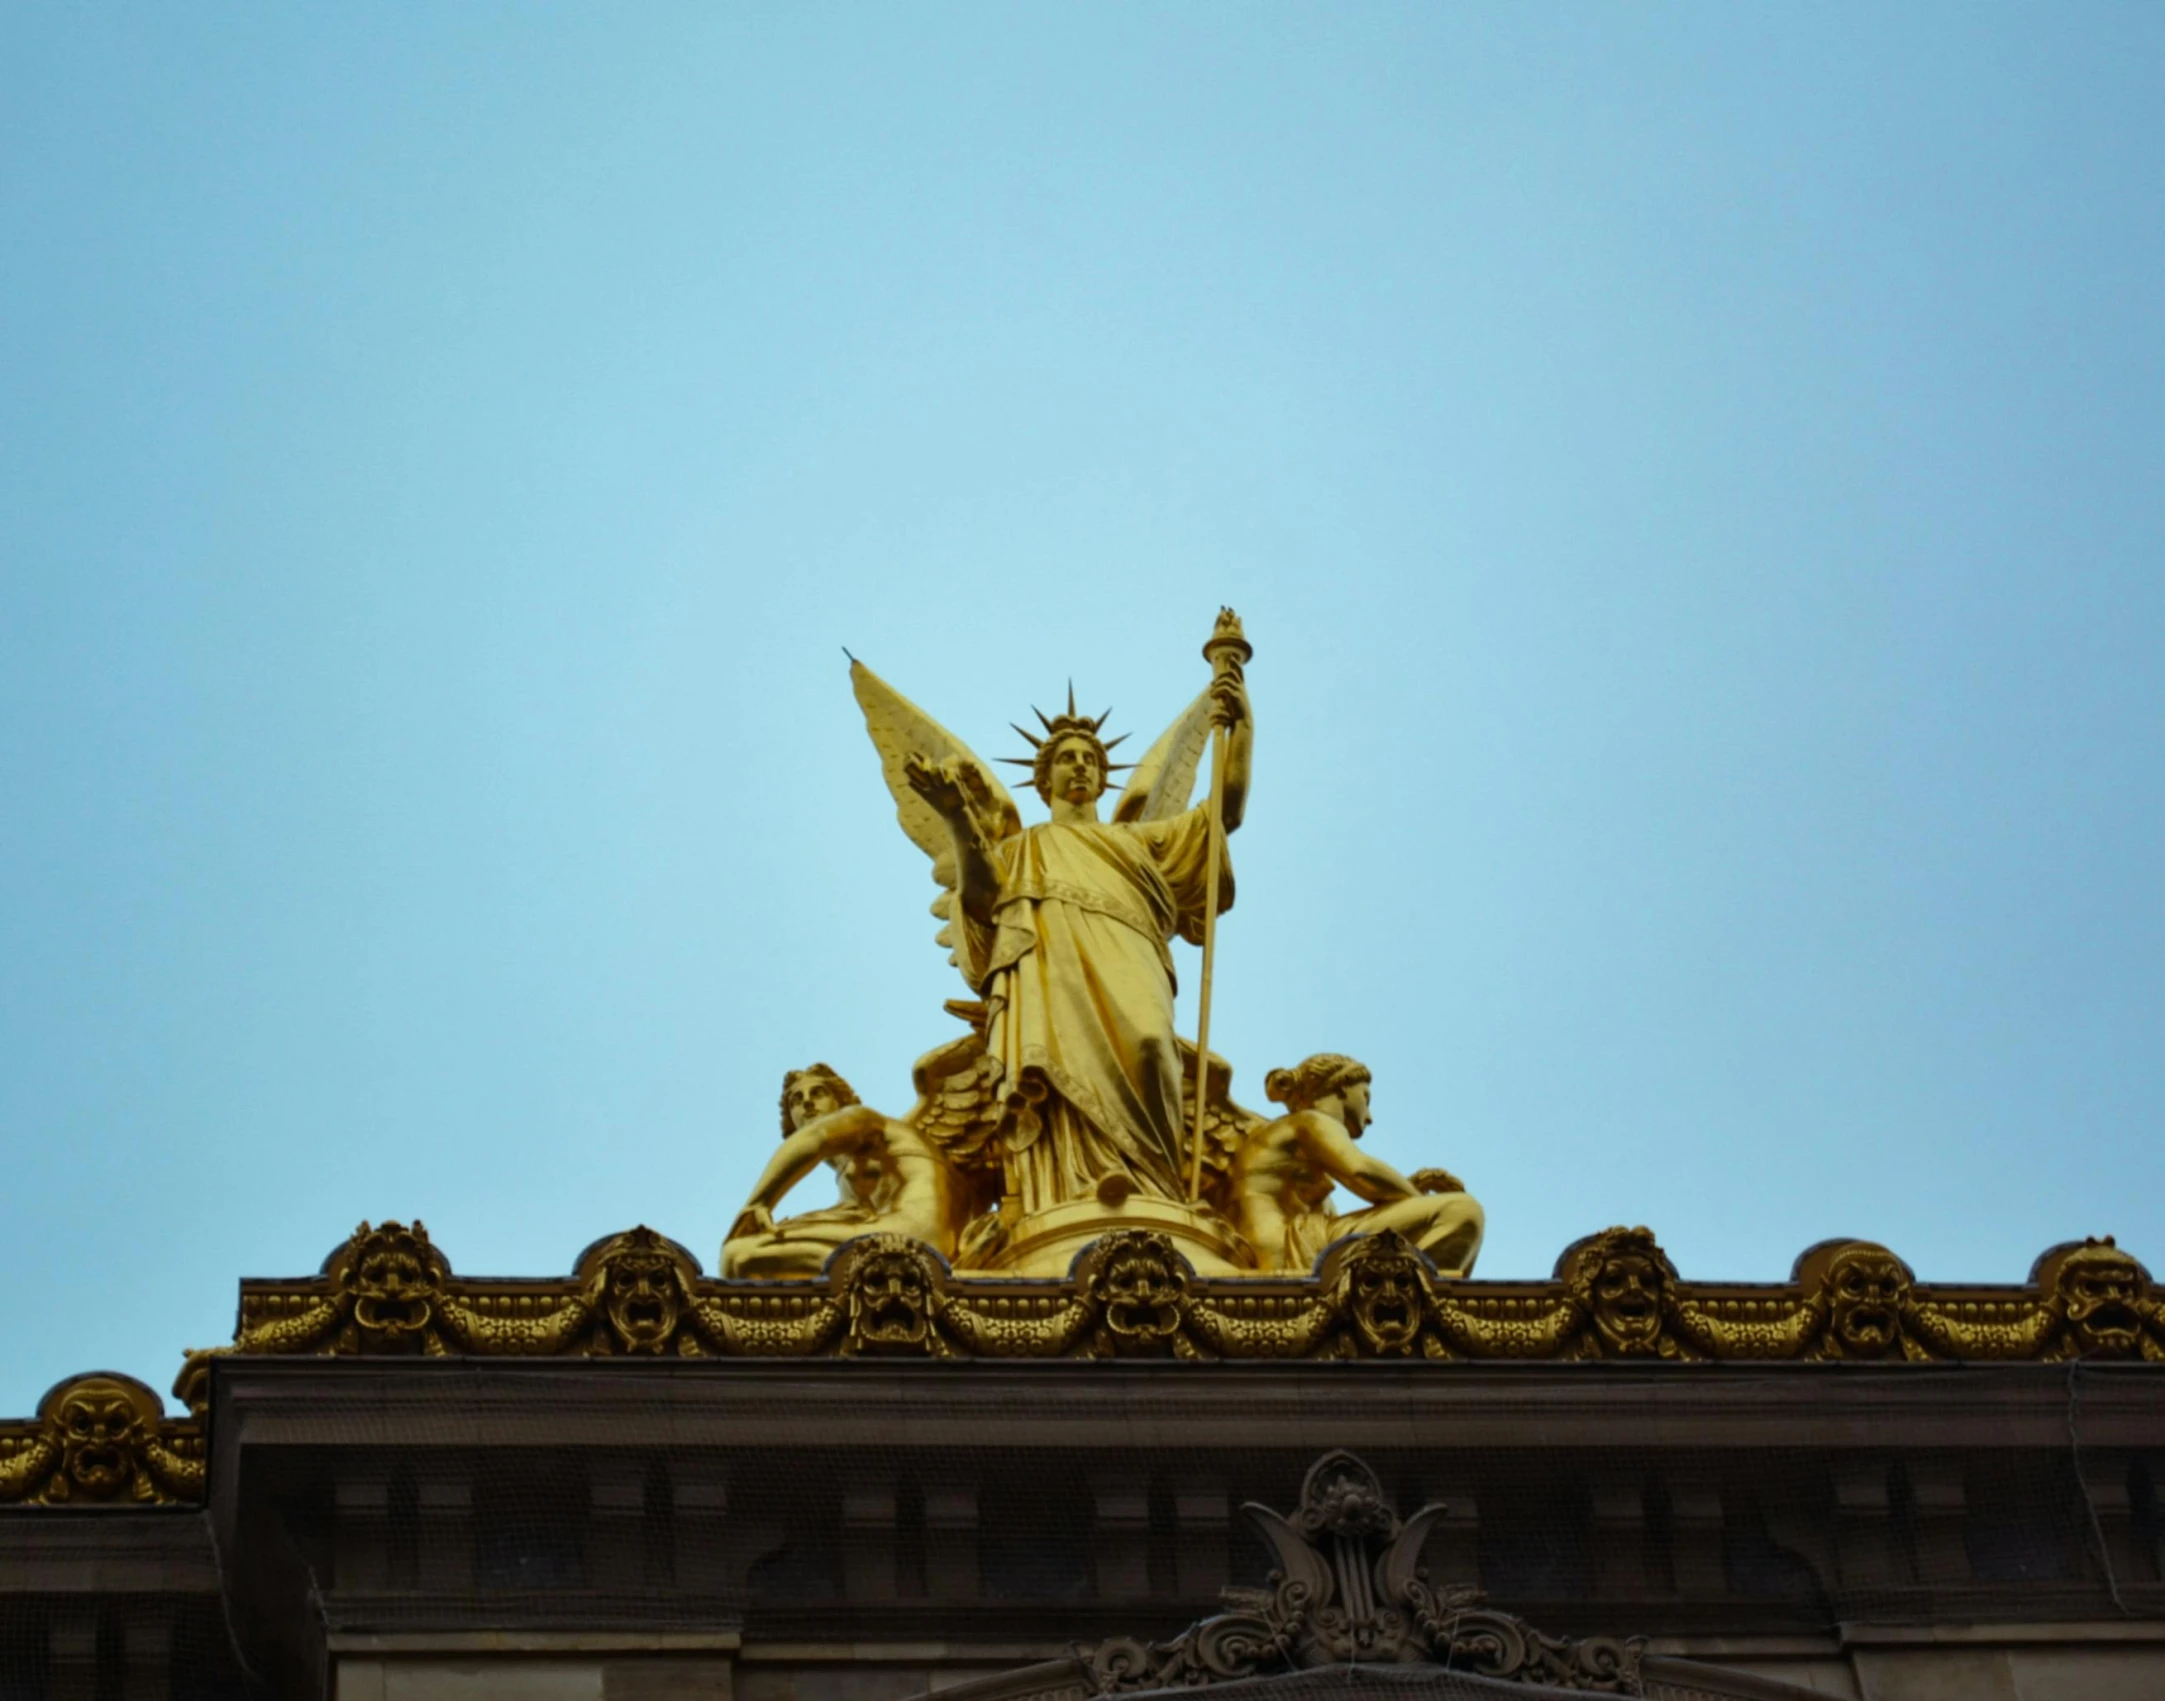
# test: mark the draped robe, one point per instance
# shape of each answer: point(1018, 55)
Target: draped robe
point(1077, 976)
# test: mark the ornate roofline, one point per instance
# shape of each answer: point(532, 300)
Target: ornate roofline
point(388, 1290)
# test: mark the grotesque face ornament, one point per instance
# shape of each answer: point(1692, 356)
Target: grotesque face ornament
point(1141, 1286)
point(101, 1433)
point(1621, 1277)
point(643, 1300)
point(890, 1304)
point(1627, 1302)
point(2100, 1288)
point(1867, 1289)
point(1382, 1292)
point(639, 1282)
point(394, 1275)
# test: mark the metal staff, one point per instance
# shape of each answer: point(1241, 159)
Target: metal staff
point(1228, 654)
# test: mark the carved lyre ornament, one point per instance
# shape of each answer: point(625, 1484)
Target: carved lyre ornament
point(1349, 1589)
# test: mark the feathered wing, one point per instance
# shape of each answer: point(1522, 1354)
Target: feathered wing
point(900, 730)
point(1163, 781)
point(1226, 1125)
point(959, 1101)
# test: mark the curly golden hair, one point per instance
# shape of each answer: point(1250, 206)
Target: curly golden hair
point(1313, 1078)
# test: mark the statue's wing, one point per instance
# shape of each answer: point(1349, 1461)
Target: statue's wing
point(959, 1100)
point(900, 730)
point(1226, 1125)
point(1163, 781)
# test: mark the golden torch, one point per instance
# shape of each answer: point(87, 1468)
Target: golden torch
point(1228, 653)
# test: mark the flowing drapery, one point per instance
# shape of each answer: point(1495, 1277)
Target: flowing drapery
point(1077, 976)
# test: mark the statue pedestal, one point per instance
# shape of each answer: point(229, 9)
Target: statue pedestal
point(1047, 1243)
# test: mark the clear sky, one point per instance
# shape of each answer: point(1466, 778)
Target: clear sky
point(1691, 475)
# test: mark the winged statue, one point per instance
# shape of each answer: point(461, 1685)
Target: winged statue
point(1062, 929)
point(1069, 1107)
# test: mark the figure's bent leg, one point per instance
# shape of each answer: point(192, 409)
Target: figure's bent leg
point(788, 1252)
point(1446, 1226)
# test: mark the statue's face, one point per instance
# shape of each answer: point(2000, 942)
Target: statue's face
point(1385, 1298)
point(889, 1302)
point(810, 1097)
point(394, 1285)
point(1356, 1115)
point(1075, 773)
point(99, 1433)
point(2100, 1288)
point(643, 1300)
point(1867, 1289)
point(1627, 1302)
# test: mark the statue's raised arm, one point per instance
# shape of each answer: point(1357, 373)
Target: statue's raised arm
point(946, 798)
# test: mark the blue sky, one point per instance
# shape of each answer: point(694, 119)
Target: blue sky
point(1691, 476)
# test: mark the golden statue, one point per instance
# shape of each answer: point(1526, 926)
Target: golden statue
point(1285, 1172)
point(1066, 1113)
point(892, 1182)
point(1065, 928)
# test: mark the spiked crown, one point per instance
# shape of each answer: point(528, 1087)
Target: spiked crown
point(1058, 727)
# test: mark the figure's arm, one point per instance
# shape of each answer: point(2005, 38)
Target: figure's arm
point(1229, 709)
point(958, 792)
point(1332, 1150)
point(798, 1156)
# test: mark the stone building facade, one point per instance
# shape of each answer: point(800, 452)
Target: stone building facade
point(402, 1485)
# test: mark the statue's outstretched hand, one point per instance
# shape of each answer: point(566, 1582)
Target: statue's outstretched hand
point(1436, 1181)
point(938, 784)
point(753, 1219)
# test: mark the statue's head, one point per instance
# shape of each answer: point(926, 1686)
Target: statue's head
point(811, 1093)
point(2099, 1290)
point(643, 1282)
point(1070, 767)
point(1328, 1075)
point(1622, 1278)
point(1073, 762)
point(101, 1422)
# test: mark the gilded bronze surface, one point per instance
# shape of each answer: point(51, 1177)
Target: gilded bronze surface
point(1134, 1293)
point(100, 1440)
point(103, 1439)
point(1071, 1109)
point(1074, 1179)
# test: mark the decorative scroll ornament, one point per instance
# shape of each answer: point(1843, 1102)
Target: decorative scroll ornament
point(1349, 1589)
point(101, 1440)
